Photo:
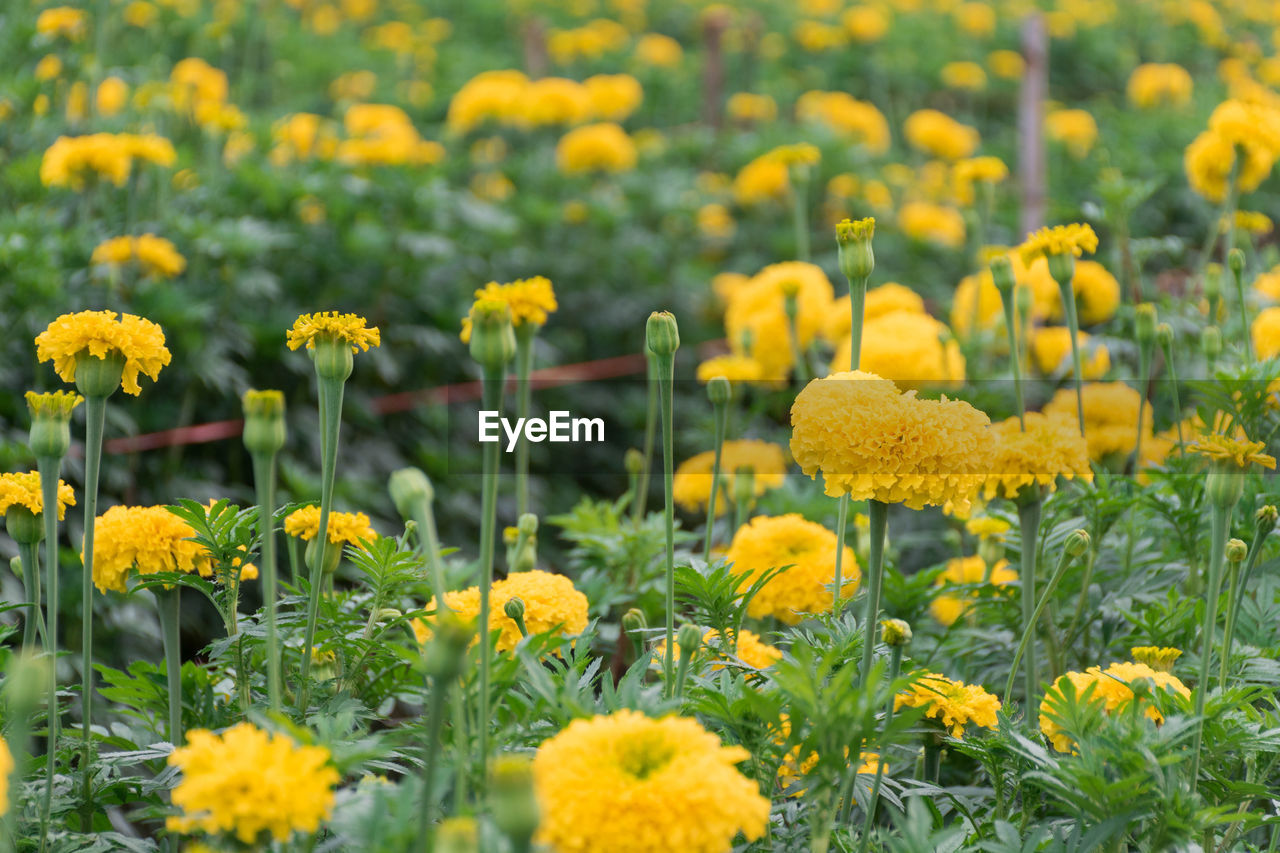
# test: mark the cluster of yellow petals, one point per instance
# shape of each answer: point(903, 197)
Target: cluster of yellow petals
point(332, 326)
point(1051, 352)
point(351, 528)
point(110, 156)
point(939, 135)
point(681, 787)
point(872, 442)
point(1238, 452)
point(1046, 449)
point(53, 404)
point(735, 368)
point(1159, 658)
point(251, 784)
point(691, 487)
point(531, 301)
point(808, 548)
point(551, 603)
point(24, 490)
point(1074, 239)
point(103, 334)
point(888, 298)
point(932, 223)
point(1154, 84)
point(757, 311)
point(954, 704)
point(63, 21)
point(910, 348)
point(846, 116)
point(155, 255)
point(966, 571)
point(510, 98)
point(1110, 416)
point(147, 539)
point(1112, 687)
point(603, 147)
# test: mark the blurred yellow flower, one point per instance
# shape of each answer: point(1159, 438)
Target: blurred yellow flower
point(691, 487)
point(932, 223)
point(841, 113)
point(156, 256)
point(658, 51)
point(65, 21)
point(808, 548)
point(910, 348)
point(1074, 129)
point(948, 607)
point(613, 97)
point(938, 134)
point(603, 147)
point(1006, 64)
point(747, 107)
point(1156, 84)
point(1051, 352)
point(967, 76)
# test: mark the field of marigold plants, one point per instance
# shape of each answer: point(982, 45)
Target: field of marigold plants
point(631, 426)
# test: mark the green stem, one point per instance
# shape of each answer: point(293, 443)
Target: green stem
point(932, 759)
point(879, 516)
point(1029, 627)
point(1244, 308)
point(842, 521)
point(857, 307)
point(1219, 526)
point(895, 670)
point(50, 469)
point(1252, 560)
point(1177, 397)
point(330, 393)
point(1015, 348)
point(1233, 587)
point(721, 416)
point(1073, 323)
point(792, 305)
point(264, 476)
point(493, 382)
point(95, 422)
point(169, 606)
point(525, 333)
point(431, 755)
point(1029, 519)
point(650, 427)
point(1144, 377)
point(799, 211)
point(33, 625)
point(682, 674)
point(666, 378)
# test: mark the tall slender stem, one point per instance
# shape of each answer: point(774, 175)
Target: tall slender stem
point(800, 210)
point(1073, 323)
point(50, 469)
point(650, 427)
point(1233, 585)
point(330, 392)
point(169, 606)
point(878, 511)
point(33, 625)
point(95, 422)
point(1219, 525)
point(1029, 519)
point(842, 521)
point(525, 333)
point(895, 669)
point(857, 307)
point(721, 415)
point(264, 476)
point(1029, 626)
point(493, 381)
point(666, 379)
point(431, 749)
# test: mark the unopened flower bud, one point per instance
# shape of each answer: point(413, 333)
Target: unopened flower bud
point(896, 632)
point(512, 797)
point(1211, 342)
point(447, 649)
point(1236, 551)
point(1224, 486)
point(1213, 290)
point(264, 429)
point(527, 524)
point(633, 620)
point(1164, 335)
point(514, 608)
point(493, 341)
point(332, 555)
point(1002, 275)
point(689, 639)
point(1144, 324)
point(410, 490)
point(857, 258)
point(719, 391)
point(50, 436)
point(633, 461)
point(1264, 520)
point(1235, 262)
point(1076, 543)
point(388, 614)
point(662, 335)
point(1025, 301)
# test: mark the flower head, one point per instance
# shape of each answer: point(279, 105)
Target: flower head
point(1074, 240)
point(551, 603)
point(680, 784)
point(155, 255)
point(53, 404)
point(966, 571)
point(1160, 658)
point(910, 348)
point(147, 539)
point(692, 485)
point(735, 368)
point(1048, 448)
point(1240, 452)
point(603, 147)
point(1112, 688)
point(24, 490)
point(531, 300)
point(101, 334)
point(808, 548)
point(952, 703)
point(250, 784)
point(332, 326)
point(352, 528)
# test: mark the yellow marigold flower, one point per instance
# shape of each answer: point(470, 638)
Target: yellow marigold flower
point(251, 784)
point(691, 487)
point(140, 14)
point(531, 300)
point(966, 571)
point(1096, 291)
point(24, 490)
point(748, 107)
point(1051, 351)
point(763, 179)
point(1268, 285)
point(1074, 239)
point(726, 285)
point(155, 255)
point(968, 76)
point(715, 222)
point(1112, 688)
point(147, 539)
point(845, 115)
point(1154, 84)
point(1048, 448)
point(603, 147)
point(809, 548)
point(758, 311)
point(1159, 658)
point(940, 135)
point(100, 334)
point(986, 527)
point(551, 604)
point(751, 650)
point(658, 50)
point(954, 704)
point(1076, 129)
point(490, 95)
point(866, 24)
point(932, 223)
point(1209, 161)
point(910, 348)
point(111, 96)
point(976, 19)
point(1110, 416)
point(70, 159)
point(351, 528)
point(1006, 64)
point(48, 68)
point(1248, 123)
point(553, 100)
point(976, 170)
point(681, 783)
point(735, 368)
point(6, 768)
point(332, 326)
point(888, 298)
point(63, 21)
point(1240, 452)
point(613, 96)
point(797, 154)
point(1253, 221)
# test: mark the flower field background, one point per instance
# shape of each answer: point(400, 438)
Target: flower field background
point(937, 345)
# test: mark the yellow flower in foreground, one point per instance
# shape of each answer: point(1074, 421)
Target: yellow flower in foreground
point(691, 487)
point(948, 607)
point(149, 539)
point(531, 300)
point(250, 784)
point(100, 334)
point(1112, 687)
point(156, 255)
point(1074, 239)
point(954, 704)
point(351, 528)
point(603, 147)
point(680, 785)
point(551, 603)
point(1049, 448)
point(808, 548)
point(24, 490)
point(872, 442)
point(1238, 452)
point(332, 326)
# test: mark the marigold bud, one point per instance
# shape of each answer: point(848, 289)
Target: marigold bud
point(1212, 287)
point(527, 524)
point(1164, 335)
point(633, 461)
point(1076, 543)
point(1211, 342)
point(512, 796)
point(1224, 487)
point(332, 358)
point(633, 620)
point(1236, 551)
point(493, 341)
point(1002, 275)
point(896, 632)
point(689, 639)
point(1235, 261)
point(662, 335)
point(719, 391)
point(857, 258)
point(23, 525)
point(1264, 520)
point(264, 428)
point(514, 608)
point(1025, 301)
point(458, 835)
point(446, 653)
point(1144, 324)
point(410, 490)
point(50, 436)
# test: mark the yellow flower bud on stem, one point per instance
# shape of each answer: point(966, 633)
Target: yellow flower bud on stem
point(264, 436)
point(663, 337)
point(719, 391)
point(1213, 291)
point(1076, 545)
point(1264, 521)
point(523, 556)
